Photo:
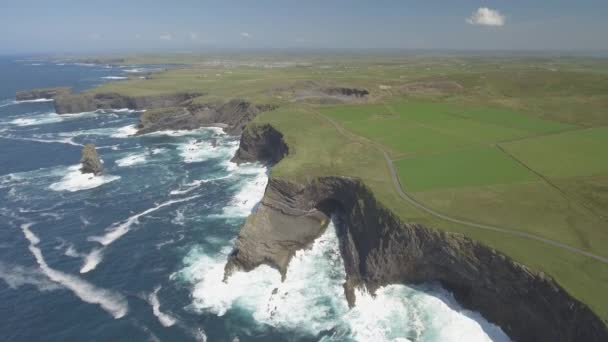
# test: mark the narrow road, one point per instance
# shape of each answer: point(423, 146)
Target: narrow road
point(432, 212)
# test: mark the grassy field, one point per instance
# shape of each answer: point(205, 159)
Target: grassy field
point(512, 142)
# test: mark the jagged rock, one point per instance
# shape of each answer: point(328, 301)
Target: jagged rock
point(42, 93)
point(90, 160)
point(378, 249)
point(261, 143)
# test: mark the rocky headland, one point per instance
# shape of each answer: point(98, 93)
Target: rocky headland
point(90, 160)
point(42, 93)
point(379, 249)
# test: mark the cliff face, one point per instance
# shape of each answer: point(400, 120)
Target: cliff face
point(78, 103)
point(233, 116)
point(378, 249)
point(261, 143)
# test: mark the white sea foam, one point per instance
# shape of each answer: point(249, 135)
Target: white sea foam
point(17, 276)
point(67, 141)
point(48, 118)
point(117, 230)
point(91, 260)
point(311, 300)
point(125, 132)
point(114, 303)
point(114, 78)
point(75, 180)
point(199, 150)
point(188, 187)
point(164, 318)
point(250, 194)
point(132, 159)
point(34, 101)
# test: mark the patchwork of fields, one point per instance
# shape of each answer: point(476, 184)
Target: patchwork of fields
point(494, 166)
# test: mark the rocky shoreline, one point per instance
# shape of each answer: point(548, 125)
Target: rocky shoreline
point(379, 249)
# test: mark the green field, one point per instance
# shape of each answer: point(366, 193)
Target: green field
point(512, 142)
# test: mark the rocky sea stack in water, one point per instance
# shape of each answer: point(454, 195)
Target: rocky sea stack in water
point(379, 249)
point(90, 160)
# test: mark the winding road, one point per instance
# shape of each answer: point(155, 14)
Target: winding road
point(405, 196)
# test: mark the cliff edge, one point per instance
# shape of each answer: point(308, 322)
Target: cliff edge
point(379, 249)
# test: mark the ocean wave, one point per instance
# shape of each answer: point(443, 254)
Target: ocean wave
point(311, 300)
point(16, 276)
point(164, 318)
point(245, 200)
point(68, 141)
point(189, 187)
point(196, 150)
point(113, 303)
point(117, 230)
point(125, 132)
point(132, 159)
point(75, 180)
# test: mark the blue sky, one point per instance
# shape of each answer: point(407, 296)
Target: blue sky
point(70, 26)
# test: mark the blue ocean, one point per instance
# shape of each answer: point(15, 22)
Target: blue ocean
point(138, 253)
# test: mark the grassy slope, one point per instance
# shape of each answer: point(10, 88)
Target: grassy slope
point(503, 102)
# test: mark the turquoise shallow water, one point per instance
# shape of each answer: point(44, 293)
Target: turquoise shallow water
point(138, 253)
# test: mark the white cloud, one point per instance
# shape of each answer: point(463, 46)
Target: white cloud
point(245, 35)
point(166, 36)
point(486, 17)
point(193, 36)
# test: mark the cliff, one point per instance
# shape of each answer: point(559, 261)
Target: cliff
point(90, 160)
point(42, 93)
point(379, 249)
point(88, 102)
point(233, 116)
point(261, 143)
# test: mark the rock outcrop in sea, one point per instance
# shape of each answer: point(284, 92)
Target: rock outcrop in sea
point(42, 93)
point(90, 160)
point(379, 249)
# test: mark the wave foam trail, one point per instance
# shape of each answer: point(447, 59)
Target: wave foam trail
point(132, 159)
point(115, 78)
point(116, 231)
point(75, 180)
point(165, 319)
point(114, 303)
point(17, 276)
point(34, 101)
point(48, 118)
point(91, 260)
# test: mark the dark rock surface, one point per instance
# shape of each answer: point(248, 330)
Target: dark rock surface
point(378, 249)
point(232, 116)
point(261, 143)
point(341, 91)
point(90, 160)
point(43, 93)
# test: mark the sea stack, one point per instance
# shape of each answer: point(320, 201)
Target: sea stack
point(90, 160)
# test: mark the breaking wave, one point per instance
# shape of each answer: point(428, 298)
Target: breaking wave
point(164, 318)
point(75, 180)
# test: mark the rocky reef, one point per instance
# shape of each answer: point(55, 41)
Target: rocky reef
point(90, 160)
point(42, 93)
point(88, 102)
point(232, 116)
point(379, 249)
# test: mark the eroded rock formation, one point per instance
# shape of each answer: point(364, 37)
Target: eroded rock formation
point(43, 93)
point(90, 160)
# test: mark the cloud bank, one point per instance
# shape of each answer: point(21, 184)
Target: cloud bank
point(486, 17)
